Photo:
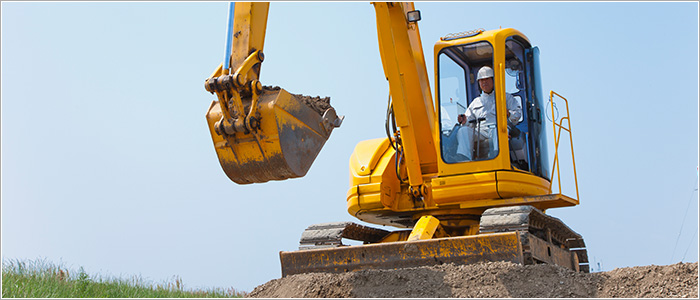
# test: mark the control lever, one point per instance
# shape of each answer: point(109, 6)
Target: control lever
point(475, 130)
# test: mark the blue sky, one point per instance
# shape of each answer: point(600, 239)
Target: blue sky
point(107, 162)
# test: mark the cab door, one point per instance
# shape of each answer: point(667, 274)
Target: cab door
point(534, 110)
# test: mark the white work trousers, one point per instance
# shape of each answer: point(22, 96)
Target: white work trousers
point(465, 139)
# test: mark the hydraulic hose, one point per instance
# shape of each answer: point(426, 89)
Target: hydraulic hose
point(389, 115)
point(229, 36)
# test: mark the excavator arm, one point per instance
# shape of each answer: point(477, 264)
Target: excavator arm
point(261, 133)
point(255, 143)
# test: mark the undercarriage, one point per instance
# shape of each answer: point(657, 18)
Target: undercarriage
point(519, 234)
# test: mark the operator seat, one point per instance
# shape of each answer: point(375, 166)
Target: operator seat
point(518, 150)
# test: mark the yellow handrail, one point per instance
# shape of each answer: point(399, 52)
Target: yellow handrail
point(557, 136)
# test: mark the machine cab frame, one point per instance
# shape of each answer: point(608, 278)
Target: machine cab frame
point(495, 143)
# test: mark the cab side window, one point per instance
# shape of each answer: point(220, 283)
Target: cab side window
point(516, 85)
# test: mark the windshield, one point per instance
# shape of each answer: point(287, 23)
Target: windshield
point(467, 114)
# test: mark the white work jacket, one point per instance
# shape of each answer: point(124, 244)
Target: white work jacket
point(484, 106)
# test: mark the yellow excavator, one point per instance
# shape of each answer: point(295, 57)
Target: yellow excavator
point(462, 178)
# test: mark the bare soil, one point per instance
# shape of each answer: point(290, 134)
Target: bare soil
point(318, 104)
point(490, 280)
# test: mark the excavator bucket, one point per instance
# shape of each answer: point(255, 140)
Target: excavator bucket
point(292, 131)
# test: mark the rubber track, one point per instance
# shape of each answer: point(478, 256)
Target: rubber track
point(326, 235)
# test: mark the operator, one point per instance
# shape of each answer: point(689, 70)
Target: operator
point(481, 114)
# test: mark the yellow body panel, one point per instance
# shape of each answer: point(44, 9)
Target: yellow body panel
point(516, 184)
point(366, 155)
point(459, 188)
point(542, 202)
point(364, 197)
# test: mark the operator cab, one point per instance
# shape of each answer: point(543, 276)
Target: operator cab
point(478, 141)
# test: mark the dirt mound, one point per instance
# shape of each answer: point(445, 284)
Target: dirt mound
point(490, 280)
point(679, 281)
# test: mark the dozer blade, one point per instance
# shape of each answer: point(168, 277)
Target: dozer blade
point(458, 250)
point(293, 129)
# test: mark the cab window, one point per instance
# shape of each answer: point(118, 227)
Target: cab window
point(516, 85)
point(467, 124)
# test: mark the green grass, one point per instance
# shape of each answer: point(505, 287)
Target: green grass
point(40, 279)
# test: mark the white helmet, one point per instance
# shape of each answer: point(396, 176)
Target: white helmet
point(484, 72)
